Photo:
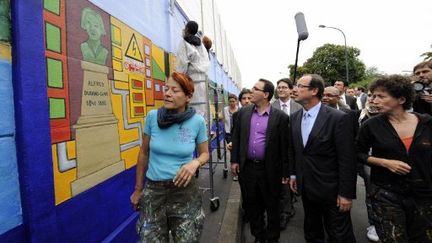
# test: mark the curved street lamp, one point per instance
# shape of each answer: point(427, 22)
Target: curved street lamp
point(346, 51)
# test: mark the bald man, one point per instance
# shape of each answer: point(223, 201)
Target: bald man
point(331, 97)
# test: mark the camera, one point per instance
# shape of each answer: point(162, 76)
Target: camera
point(421, 87)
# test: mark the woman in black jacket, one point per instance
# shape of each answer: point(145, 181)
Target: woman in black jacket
point(401, 162)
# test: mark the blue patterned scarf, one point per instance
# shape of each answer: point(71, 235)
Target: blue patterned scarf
point(166, 118)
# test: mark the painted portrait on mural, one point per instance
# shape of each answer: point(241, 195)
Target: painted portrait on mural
point(92, 49)
point(113, 76)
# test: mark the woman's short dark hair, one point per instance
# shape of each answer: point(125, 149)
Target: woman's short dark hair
point(397, 86)
point(231, 96)
point(287, 81)
point(185, 82)
point(268, 87)
point(317, 82)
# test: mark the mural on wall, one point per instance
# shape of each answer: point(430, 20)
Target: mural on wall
point(102, 79)
point(10, 201)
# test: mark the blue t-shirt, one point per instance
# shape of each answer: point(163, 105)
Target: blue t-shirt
point(172, 147)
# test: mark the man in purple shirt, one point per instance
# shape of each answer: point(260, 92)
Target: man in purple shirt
point(259, 158)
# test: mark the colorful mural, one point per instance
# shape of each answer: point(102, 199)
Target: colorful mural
point(99, 93)
point(10, 202)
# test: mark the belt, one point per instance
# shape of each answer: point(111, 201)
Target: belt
point(256, 161)
point(169, 183)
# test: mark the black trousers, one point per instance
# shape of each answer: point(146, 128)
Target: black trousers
point(258, 200)
point(321, 215)
point(286, 202)
point(402, 218)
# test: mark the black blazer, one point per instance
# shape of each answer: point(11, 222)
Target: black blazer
point(351, 102)
point(326, 166)
point(276, 148)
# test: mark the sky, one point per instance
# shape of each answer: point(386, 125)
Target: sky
point(391, 35)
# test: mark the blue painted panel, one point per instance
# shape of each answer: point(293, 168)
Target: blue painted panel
point(15, 235)
point(33, 142)
point(10, 202)
point(94, 214)
point(7, 124)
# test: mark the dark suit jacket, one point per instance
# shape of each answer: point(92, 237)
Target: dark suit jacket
point(351, 102)
point(294, 106)
point(326, 166)
point(276, 148)
point(354, 116)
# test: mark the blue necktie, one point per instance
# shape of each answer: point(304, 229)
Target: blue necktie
point(285, 108)
point(305, 127)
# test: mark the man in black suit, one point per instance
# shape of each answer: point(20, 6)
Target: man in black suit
point(331, 97)
point(324, 171)
point(289, 106)
point(346, 99)
point(259, 157)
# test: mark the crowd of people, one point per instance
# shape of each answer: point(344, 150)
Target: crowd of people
point(310, 141)
point(333, 134)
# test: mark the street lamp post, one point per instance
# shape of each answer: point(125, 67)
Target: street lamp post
point(346, 51)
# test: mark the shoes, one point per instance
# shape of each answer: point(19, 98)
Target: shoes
point(372, 234)
point(235, 178)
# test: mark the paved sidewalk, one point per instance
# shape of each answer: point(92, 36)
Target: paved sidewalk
point(294, 231)
point(215, 219)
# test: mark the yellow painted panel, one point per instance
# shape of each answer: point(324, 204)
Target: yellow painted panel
point(5, 52)
point(116, 34)
point(117, 65)
point(117, 52)
point(130, 43)
point(71, 152)
point(121, 85)
point(130, 156)
point(62, 181)
point(125, 135)
point(121, 76)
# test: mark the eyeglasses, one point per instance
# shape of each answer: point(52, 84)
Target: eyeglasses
point(258, 89)
point(303, 86)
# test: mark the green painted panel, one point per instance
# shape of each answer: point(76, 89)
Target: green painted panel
point(52, 6)
point(5, 33)
point(55, 73)
point(53, 39)
point(57, 108)
point(157, 72)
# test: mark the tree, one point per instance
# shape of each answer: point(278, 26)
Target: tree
point(427, 56)
point(329, 62)
point(371, 74)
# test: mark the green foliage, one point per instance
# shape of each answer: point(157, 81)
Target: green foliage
point(371, 74)
point(329, 62)
point(427, 56)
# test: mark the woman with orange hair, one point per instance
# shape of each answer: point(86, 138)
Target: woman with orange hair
point(170, 199)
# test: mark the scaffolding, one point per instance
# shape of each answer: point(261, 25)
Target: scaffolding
point(212, 110)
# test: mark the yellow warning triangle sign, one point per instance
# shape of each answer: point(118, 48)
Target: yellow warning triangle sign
point(133, 50)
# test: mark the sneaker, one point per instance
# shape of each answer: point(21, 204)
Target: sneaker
point(372, 234)
point(235, 178)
